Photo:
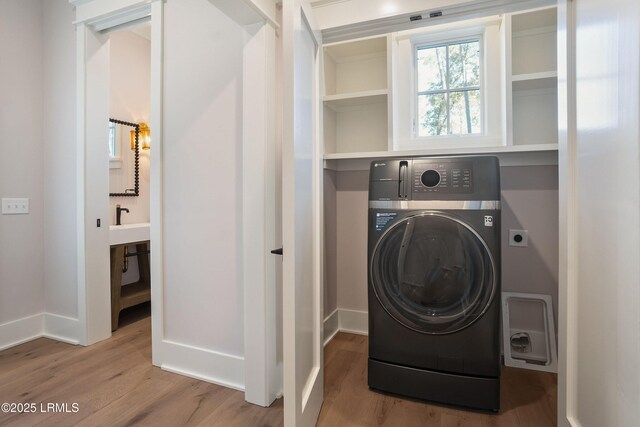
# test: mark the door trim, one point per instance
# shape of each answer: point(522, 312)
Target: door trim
point(102, 14)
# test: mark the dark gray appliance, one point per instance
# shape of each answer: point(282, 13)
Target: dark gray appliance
point(434, 279)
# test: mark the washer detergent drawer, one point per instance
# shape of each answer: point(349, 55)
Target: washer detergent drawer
point(386, 190)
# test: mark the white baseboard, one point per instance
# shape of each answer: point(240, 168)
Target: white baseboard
point(206, 365)
point(20, 331)
point(61, 328)
point(53, 326)
point(331, 326)
point(343, 320)
point(354, 321)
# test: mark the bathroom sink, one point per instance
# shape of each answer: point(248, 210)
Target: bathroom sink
point(128, 233)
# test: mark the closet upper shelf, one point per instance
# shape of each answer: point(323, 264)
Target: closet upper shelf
point(515, 155)
point(444, 151)
point(534, 81)
point(355, 66)
point(337, 102)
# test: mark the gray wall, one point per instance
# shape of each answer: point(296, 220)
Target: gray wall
point(21, 159)
point(60, 264)
point(352, 196)
point(530, 201)
point(330, 242)
point(37, 159)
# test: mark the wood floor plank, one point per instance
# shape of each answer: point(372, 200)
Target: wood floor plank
point(528, 398)
point(235, 412)
point(115, 384)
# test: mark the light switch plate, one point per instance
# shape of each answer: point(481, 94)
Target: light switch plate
point(15, 206)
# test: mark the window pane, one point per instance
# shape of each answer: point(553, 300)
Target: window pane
point(464, 65)
point(112, 140)
point(432, 115)
point(432, 68)
point(465, 112)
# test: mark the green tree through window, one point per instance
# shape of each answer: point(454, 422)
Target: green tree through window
point(449, 89)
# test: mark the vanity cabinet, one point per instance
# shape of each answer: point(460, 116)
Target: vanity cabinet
point(132, 294)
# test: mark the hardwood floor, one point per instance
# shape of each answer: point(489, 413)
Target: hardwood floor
point(114, 384)
point(528, 398)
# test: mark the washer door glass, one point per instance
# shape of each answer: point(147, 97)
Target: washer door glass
point(433, 273)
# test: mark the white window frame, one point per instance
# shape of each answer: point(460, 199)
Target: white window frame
point(417, 45)
point(405, 100)
point(115, 161)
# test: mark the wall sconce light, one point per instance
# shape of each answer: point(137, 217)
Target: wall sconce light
point(144, 136)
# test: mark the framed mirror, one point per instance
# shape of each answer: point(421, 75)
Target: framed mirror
point(120, 135)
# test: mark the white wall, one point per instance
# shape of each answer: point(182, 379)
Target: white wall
point(203, 295)
point(336, 13)
point(331, 14)
point(21, 160)
point(60, 264)
point(130, 100)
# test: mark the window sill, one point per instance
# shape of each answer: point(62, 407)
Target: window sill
point(115, 163)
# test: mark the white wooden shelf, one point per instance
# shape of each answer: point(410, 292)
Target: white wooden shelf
point(357, 96)
point(539, 84)
point(353, 99)
point(535, 76)
point(532, 85)
point(444, 151)
point(535, 81)
point(515, 155)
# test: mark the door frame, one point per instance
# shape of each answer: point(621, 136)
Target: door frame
point(262, 371)
point(93, 265)
point(568, 234)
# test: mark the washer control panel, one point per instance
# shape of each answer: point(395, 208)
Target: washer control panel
point(451, 177)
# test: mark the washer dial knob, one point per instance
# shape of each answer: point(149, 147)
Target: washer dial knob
point(430, 178)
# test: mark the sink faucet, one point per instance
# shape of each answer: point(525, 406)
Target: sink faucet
point(119, 214)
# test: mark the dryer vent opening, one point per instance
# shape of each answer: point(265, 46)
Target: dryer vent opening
point(528, 330)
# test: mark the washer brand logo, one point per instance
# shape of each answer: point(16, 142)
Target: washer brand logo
point(488, 221)
point(384, 218)
point(375, 165)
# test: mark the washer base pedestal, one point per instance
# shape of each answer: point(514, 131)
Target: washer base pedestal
point(451, 389)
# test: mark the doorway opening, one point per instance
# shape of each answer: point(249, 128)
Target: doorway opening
point(129, 167)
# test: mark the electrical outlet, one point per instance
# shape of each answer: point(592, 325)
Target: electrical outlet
point(15, 206)
point(519, 238)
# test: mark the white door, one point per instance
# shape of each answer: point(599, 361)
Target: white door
point(601, 205)
point(94, 293)
point(301, 216)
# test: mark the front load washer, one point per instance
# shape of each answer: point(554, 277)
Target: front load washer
point(434, 279)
